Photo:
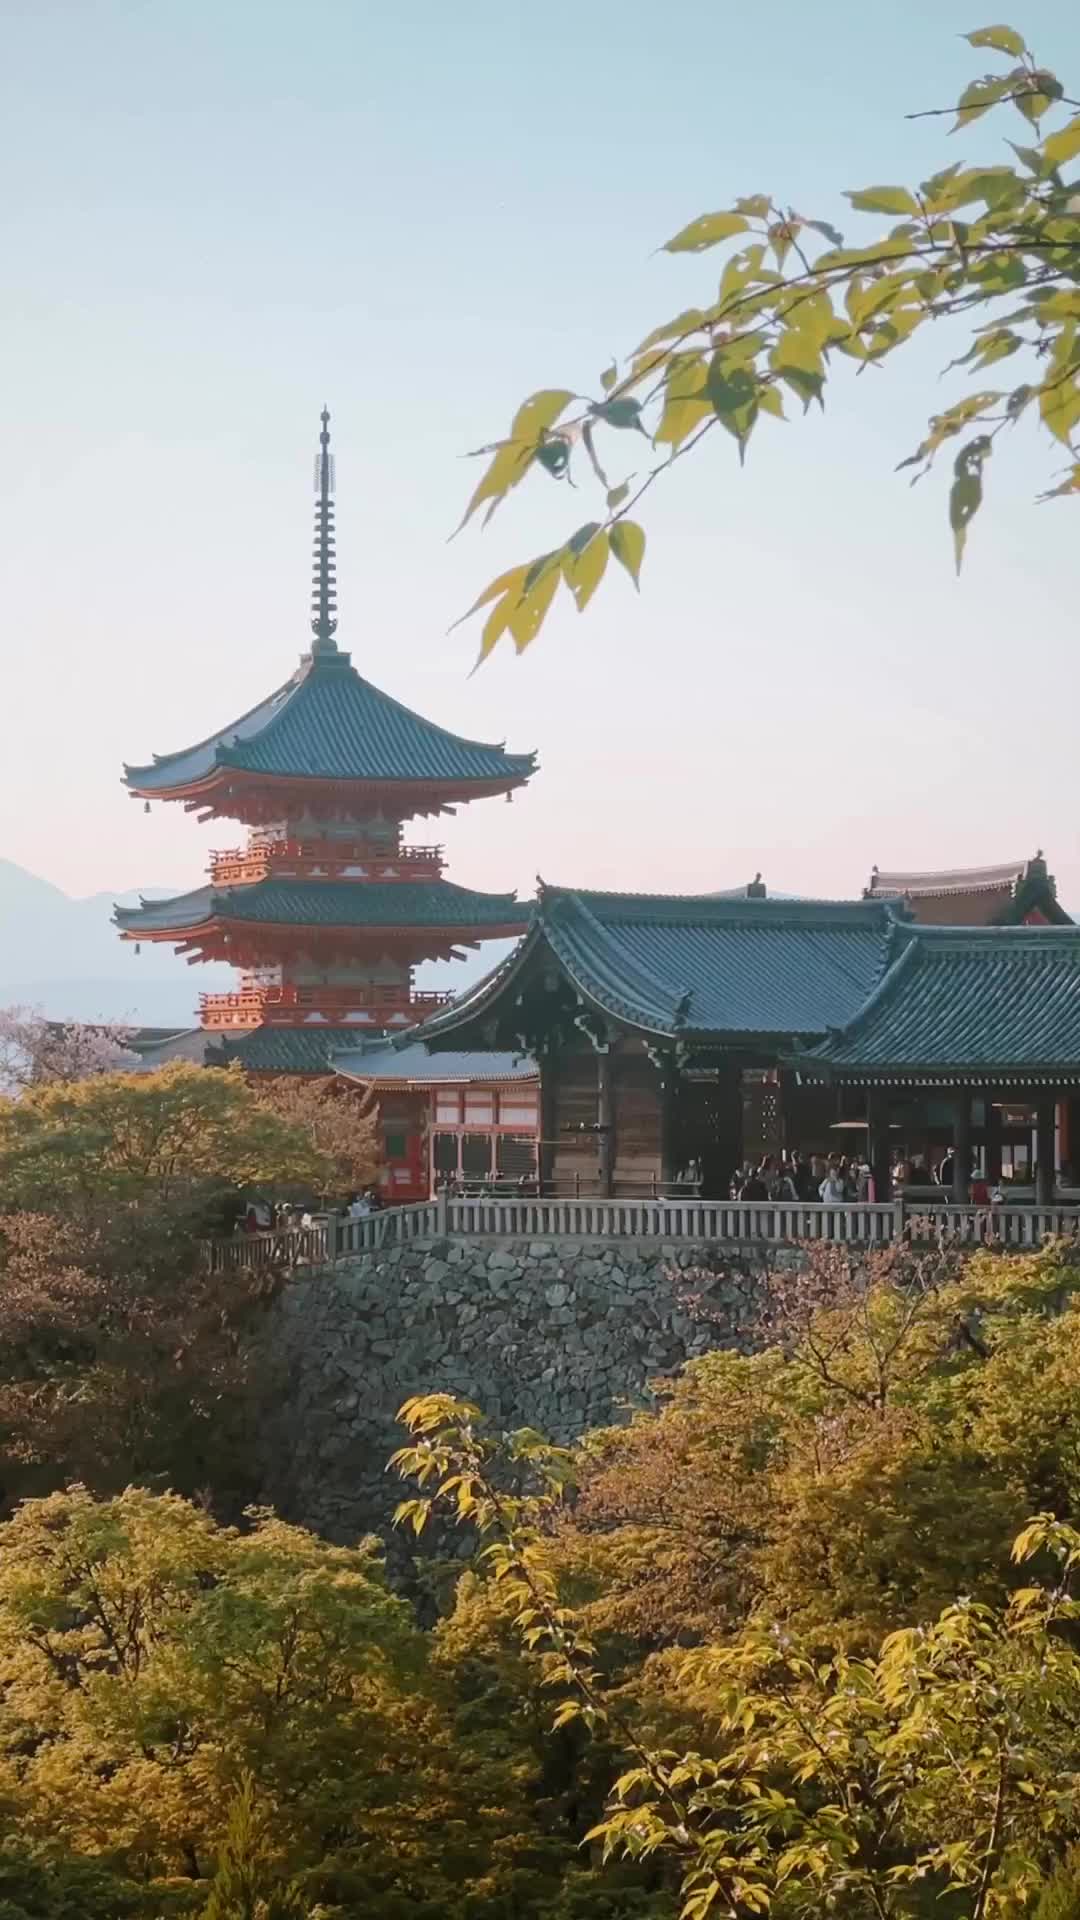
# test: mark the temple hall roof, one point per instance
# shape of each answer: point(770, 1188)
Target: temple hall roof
point(411, 1064)
point(986, 1004)
point(328, 723)
point(704, 965)
point(1018, 891)
point(285, 1049)
point(327, 903)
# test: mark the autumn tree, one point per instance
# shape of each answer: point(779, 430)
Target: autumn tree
point(124, 1358)
point(36, 1052)
point(121, 1356)
point(941, 1763)
point(179, 1137)
point(248, 1720)
point(874, 1458)
point(340, 1123)
point(991, 247)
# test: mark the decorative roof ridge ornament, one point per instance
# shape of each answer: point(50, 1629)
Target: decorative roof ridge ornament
point(324, 582)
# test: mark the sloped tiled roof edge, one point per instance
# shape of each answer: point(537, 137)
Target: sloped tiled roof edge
point(962, 1001)
point(581, 927)
point(328, 722)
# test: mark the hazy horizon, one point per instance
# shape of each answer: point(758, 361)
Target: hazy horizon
point(420, 215)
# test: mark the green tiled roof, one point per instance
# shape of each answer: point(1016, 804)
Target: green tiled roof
point(704, 965)
point(287, 1049)
point(992, 1002)
point(406, 1058)
point(326, 903)
point(327, 723)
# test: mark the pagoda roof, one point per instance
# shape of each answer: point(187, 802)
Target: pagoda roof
point(328, 723)
point(986, 1004)
point(707, 966)
point(327, 903)
point(412, 1064)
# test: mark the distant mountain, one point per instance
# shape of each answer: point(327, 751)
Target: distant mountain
point(65, 956)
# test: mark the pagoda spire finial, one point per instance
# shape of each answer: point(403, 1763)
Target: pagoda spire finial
point(324, 582)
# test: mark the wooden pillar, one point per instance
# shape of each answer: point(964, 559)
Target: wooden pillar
point(993, 1140)
point(668, 1090)
point(605, 1122)
point(879, 1145)
point(1046, 1112)
point(961, 1188)
point(549, 1120)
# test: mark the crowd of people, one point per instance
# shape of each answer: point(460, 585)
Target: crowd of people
point(792, 1176)
point(266, 1216)
point(837, 1178)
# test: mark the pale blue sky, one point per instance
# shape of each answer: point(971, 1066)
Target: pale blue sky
point(221, 212)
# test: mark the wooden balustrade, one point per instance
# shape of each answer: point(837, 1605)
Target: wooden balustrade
point(285, 1005)
point(696, 1222)
point(323, 859)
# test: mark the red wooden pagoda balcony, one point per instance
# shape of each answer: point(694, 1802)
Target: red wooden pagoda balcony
point(293, 1006)
point(323, 860)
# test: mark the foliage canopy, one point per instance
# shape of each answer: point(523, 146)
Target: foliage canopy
point(993, 246)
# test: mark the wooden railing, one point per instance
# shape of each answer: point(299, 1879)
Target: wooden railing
point(697, 1222)
point(328, 1239)
point(279, 1006)
point(323, 859)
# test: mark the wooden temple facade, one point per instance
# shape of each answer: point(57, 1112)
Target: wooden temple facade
point(678, 1037)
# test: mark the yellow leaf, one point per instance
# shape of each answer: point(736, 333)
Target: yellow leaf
point(628, 546)
point(526, 617)
point(1064, 145)
point(496, 624)
point(513, 577)
point(706, 231)
point(584, 571)
point(509, 465)
point(539, 412)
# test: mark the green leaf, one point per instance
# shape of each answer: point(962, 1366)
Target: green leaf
point(1059, 408)
point(1040, 91)
point(1059, 148)
point(554, 456)
point(800, 364)
point(770, 400)
point(683, 324)
point(686, 402)
point(1001, 39)
point(757, 206)
point(827, 232)
point(618, 495)
point(965, 496)
point(739, 271)
point(609, 377)
point(583, 568)
point(538, 569)
point(884, 200)
point(628, 546)
point(706, 231)
point(733, 392)
point(980, 95)
point(619, 413)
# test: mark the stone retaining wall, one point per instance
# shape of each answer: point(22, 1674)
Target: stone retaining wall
point(561, 1335)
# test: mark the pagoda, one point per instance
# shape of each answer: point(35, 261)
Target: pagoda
point(325, 909)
